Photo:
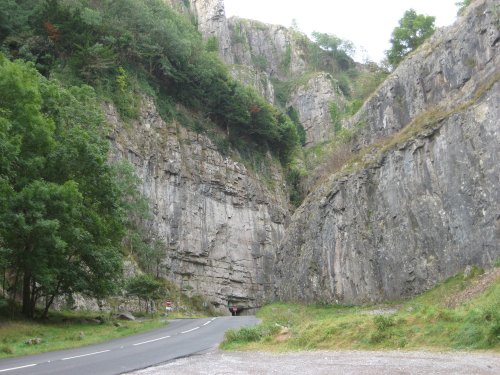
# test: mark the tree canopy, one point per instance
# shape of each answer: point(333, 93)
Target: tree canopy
point(413, 29)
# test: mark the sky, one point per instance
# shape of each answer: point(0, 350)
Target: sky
point(367, 23)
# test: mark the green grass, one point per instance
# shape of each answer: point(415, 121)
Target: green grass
point(424, 322)
point(64, 331)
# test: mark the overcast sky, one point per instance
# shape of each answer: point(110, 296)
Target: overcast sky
point(367, 23)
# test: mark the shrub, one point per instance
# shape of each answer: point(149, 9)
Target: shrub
point(383, 322)
point(7, 349)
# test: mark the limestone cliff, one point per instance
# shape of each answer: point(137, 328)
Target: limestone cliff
point(269, 48)
point(312, 101)
point(419, 204)
point(259, 54)
point(210, 17)
point(220, 223)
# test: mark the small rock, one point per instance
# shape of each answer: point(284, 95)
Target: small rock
point(33, 341)
point(117, 324)
point(126, 316)
point(467, 272)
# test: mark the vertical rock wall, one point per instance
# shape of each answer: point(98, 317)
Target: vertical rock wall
point(312, 102)
point(420, 213)
point(221, 225)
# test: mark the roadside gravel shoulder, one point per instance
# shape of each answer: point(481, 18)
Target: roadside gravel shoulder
point(327, 362)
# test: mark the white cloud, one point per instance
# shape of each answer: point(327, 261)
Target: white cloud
point(367, 23)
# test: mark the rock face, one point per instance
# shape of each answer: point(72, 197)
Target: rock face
point(444, 70)
point(220, 224)
point(257, 79)
point(418, 208)
point(270, 48)
point(312, 102)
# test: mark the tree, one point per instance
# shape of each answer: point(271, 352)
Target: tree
point(62, 214)
point(146, 287)
point(413, 29)
point(342, 50)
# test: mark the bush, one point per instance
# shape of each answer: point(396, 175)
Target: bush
point(244, 335)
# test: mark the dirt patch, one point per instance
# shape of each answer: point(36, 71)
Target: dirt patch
point(477, 287)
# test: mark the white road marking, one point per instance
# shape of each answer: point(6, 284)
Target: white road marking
point(212, 319)
point(207, 322)
point(145, 342)
point(85, 355)
point(191, 330)
point(17, 368)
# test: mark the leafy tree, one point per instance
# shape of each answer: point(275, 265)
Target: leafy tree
point(330, 42)
point(342, 50)
point(146, 288)
point(413, 29)
point(62, 217)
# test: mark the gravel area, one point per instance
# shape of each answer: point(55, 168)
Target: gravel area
point(327, 362)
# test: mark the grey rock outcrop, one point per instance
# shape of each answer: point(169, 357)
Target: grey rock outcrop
point(260, 53)
point(220, 223)
point(418, 208)
point(254, 78)
point(210, 17)
point(312, 102)
point(212, 22)
point(269, 48)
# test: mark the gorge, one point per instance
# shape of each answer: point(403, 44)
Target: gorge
point(418, 205)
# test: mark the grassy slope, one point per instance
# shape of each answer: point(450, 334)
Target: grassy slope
point(428, 321)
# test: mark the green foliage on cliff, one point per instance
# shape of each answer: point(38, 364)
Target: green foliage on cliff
point(147, 45)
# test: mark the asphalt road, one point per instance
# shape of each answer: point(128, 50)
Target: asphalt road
point(181, 338)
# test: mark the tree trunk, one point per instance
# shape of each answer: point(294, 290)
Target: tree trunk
point(27, 308)
point(47, 306)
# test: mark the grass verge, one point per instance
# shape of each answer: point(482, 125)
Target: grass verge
point(426, 322)
point(64, 331)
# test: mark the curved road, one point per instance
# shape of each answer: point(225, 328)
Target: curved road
point(181, 338)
